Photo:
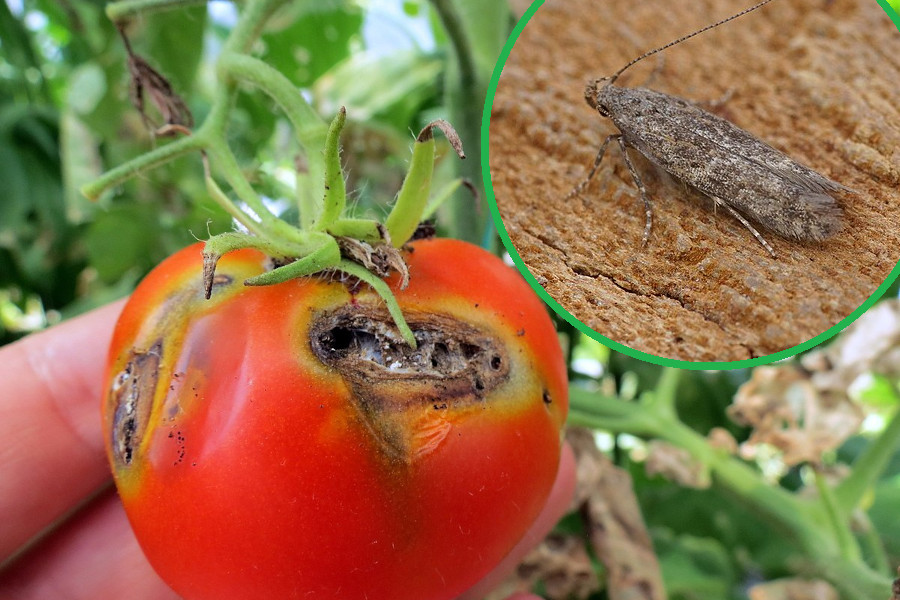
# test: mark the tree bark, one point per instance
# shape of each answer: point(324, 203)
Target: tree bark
point(813, 78)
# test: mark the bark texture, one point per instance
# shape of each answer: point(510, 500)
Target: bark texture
point(814, 78)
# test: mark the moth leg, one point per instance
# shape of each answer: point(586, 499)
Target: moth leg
point(580, 187)
point(648, 209)
point(746, 224)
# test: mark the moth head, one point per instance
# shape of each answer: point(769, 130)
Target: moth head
point(593, 91)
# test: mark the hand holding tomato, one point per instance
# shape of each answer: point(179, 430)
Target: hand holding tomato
point(53, 463)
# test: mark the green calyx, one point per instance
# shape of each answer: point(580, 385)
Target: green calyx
point(327, 238)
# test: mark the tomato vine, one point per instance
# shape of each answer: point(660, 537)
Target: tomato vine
point(318, 243)
point(818, 526)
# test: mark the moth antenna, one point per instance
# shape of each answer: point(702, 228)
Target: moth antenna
point(612, 79)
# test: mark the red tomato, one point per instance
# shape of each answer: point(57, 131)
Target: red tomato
point(276, 442)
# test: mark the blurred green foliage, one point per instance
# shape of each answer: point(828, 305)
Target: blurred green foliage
point(711, 543)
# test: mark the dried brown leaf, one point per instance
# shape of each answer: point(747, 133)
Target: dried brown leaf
point(721, 439)
point(870, 345)
point(676, 464)
point(614, 523)
point(176, 116)
point(788, 412)
point(562, 563)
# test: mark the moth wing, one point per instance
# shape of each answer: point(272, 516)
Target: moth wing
point(722, 160)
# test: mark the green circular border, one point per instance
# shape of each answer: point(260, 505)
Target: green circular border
point(658, 360)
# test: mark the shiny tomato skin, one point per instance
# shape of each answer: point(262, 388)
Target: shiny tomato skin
point(253, 470)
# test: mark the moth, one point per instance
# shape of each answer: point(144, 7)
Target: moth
point(741, 174)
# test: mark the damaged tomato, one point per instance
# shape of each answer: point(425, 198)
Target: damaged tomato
point(285, 442)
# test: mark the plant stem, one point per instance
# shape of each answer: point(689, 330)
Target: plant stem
point(666, 393)
point(309, 129)
point(271, 225)
point(871, 545)
point(225, 202)
point(120, 11)
point(453, 25)
point(801, 521)
point(142, 163)
point(250, 25)
point(868, 467)
point(838, 521)
point(465, 101)
point(853, 580)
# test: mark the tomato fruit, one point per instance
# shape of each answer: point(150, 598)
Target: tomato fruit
point(282, 441)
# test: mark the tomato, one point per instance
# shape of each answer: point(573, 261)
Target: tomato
point(282, 441)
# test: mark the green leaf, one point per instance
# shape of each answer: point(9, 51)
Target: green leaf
point(313, 39)
point(174, 45)
point(30, 182)
point(87, 87)
point(694, 568)
point(121, 240)
point(390, 89)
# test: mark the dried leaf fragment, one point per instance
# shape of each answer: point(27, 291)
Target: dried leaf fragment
point(676, 464)
point(793, 589)
point(616, 528)
point(789, 413)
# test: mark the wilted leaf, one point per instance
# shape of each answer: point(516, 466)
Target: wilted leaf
point(562, 565)
point(676, 464)
point(614, 523)
point(789, 413)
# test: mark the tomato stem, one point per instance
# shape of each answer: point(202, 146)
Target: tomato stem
point(325, 238)
point(136, 166)
point(847, 546)
point(382, 289)
point(225, 202)
point(325, 255)
point(869, 465)
point(309, 129)
point(121, 11)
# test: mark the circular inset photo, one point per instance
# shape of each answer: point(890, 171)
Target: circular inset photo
point(733, 198)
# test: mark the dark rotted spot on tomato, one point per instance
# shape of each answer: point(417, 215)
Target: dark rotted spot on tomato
point(454, 365)
point(424, 231)
point(453, 362)
point(131, 397)
point(546, 398)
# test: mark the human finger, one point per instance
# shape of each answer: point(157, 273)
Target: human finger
point(52, 454)
point(92, 556)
